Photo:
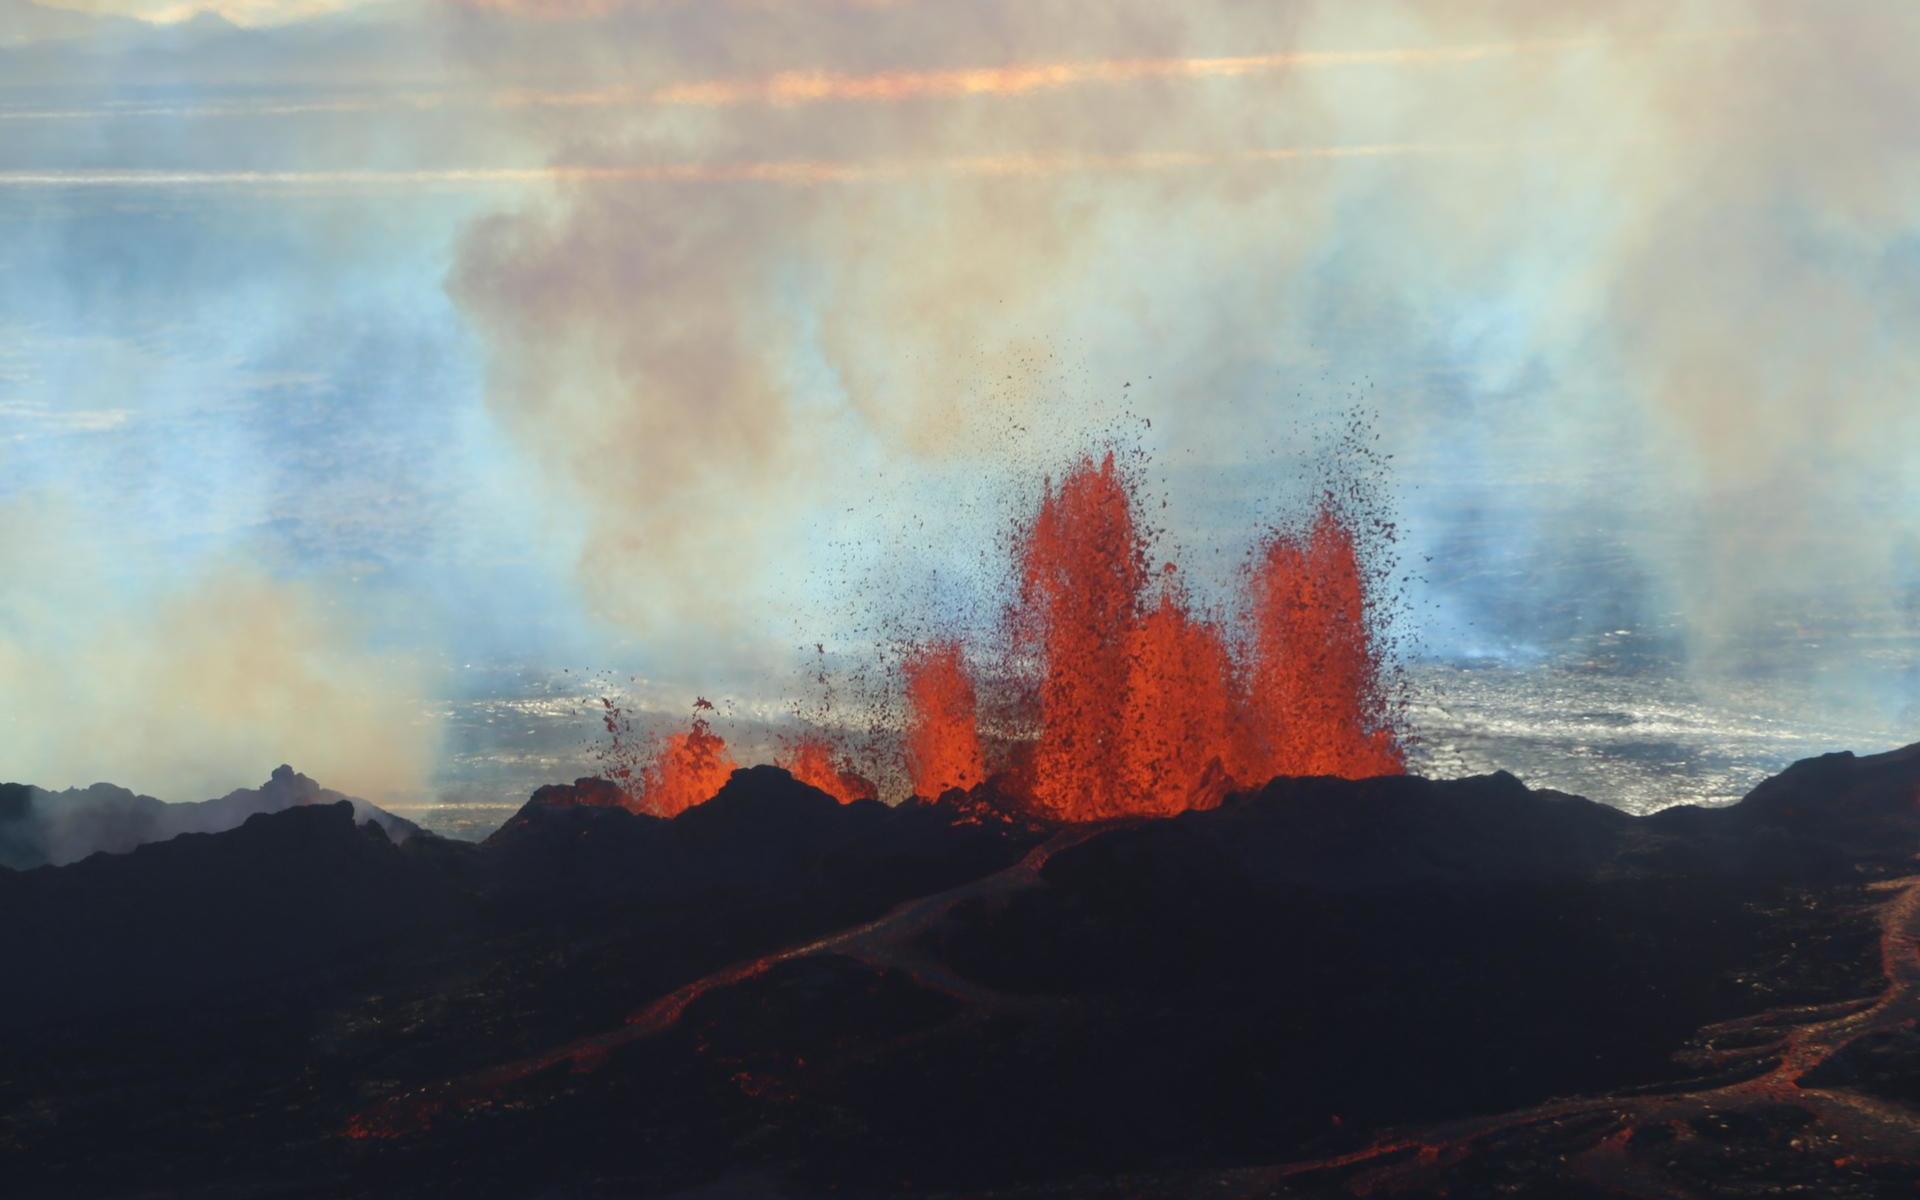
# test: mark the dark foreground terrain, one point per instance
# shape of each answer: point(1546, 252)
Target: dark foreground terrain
point(1386, 987)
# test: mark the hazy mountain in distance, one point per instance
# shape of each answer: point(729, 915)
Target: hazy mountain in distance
point(39, 827)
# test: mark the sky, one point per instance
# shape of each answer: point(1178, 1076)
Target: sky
point(362, 361)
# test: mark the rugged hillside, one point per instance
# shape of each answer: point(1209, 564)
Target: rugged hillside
point(1323, 987)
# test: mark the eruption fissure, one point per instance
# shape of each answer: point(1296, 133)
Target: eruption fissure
point(1132, 701)
point(1145, 708)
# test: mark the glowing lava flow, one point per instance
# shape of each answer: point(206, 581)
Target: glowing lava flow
point(943, 743)
point(1769, 1071)
point(895, 940)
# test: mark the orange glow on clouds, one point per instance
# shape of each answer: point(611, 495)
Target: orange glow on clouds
point(784, 172)
point(810, 87)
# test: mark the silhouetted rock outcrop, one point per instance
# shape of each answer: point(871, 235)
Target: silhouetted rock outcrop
point(765, 835)
point(173, 921)
point(38, 827)
point(1862, 802)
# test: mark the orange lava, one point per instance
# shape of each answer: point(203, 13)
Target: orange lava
point(942, 739)
point(1142, 706)
point(1316, 706)
point(1121, 698)
point(688, 768)
point(1082, 567)
point(1181, 732)
point(814, 761)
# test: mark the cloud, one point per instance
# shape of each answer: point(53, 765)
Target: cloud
point(21, 419)
point(1650, 255)
point(640, 360)
point(590, 10)
point(189, 688)
point(239, 12)
point(1629, 270)
point(800, 87)
point(812, 87)
point(789, 172)
point(1761, 301)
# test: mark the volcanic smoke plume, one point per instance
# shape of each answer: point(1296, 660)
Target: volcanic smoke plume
point(1130, 700)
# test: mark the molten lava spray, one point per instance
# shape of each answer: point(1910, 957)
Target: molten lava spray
point(1124, 700)
point(620, 762)
point(687, 768)
point(942, 742)
point(1082, 565)
point(1183, 735)
point(1143, 708)
point(817, 762)
point(1316, 702)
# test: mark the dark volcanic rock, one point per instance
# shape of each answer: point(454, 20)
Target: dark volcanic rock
point(1394, 832)
point(1868, 803)
point(995, 802)
point(587, 793)
point(299, 966)
point(774, 993)
point(1879, 1064)
point(174, 921)
point(765, 835)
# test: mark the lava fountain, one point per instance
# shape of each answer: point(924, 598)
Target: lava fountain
point(1183, 732)
point(1132, 702)
point(818, 762)
point(1316, 702)
point(687, 768)
point(942, 738)
point(1144, 708)
point(1082, 567)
